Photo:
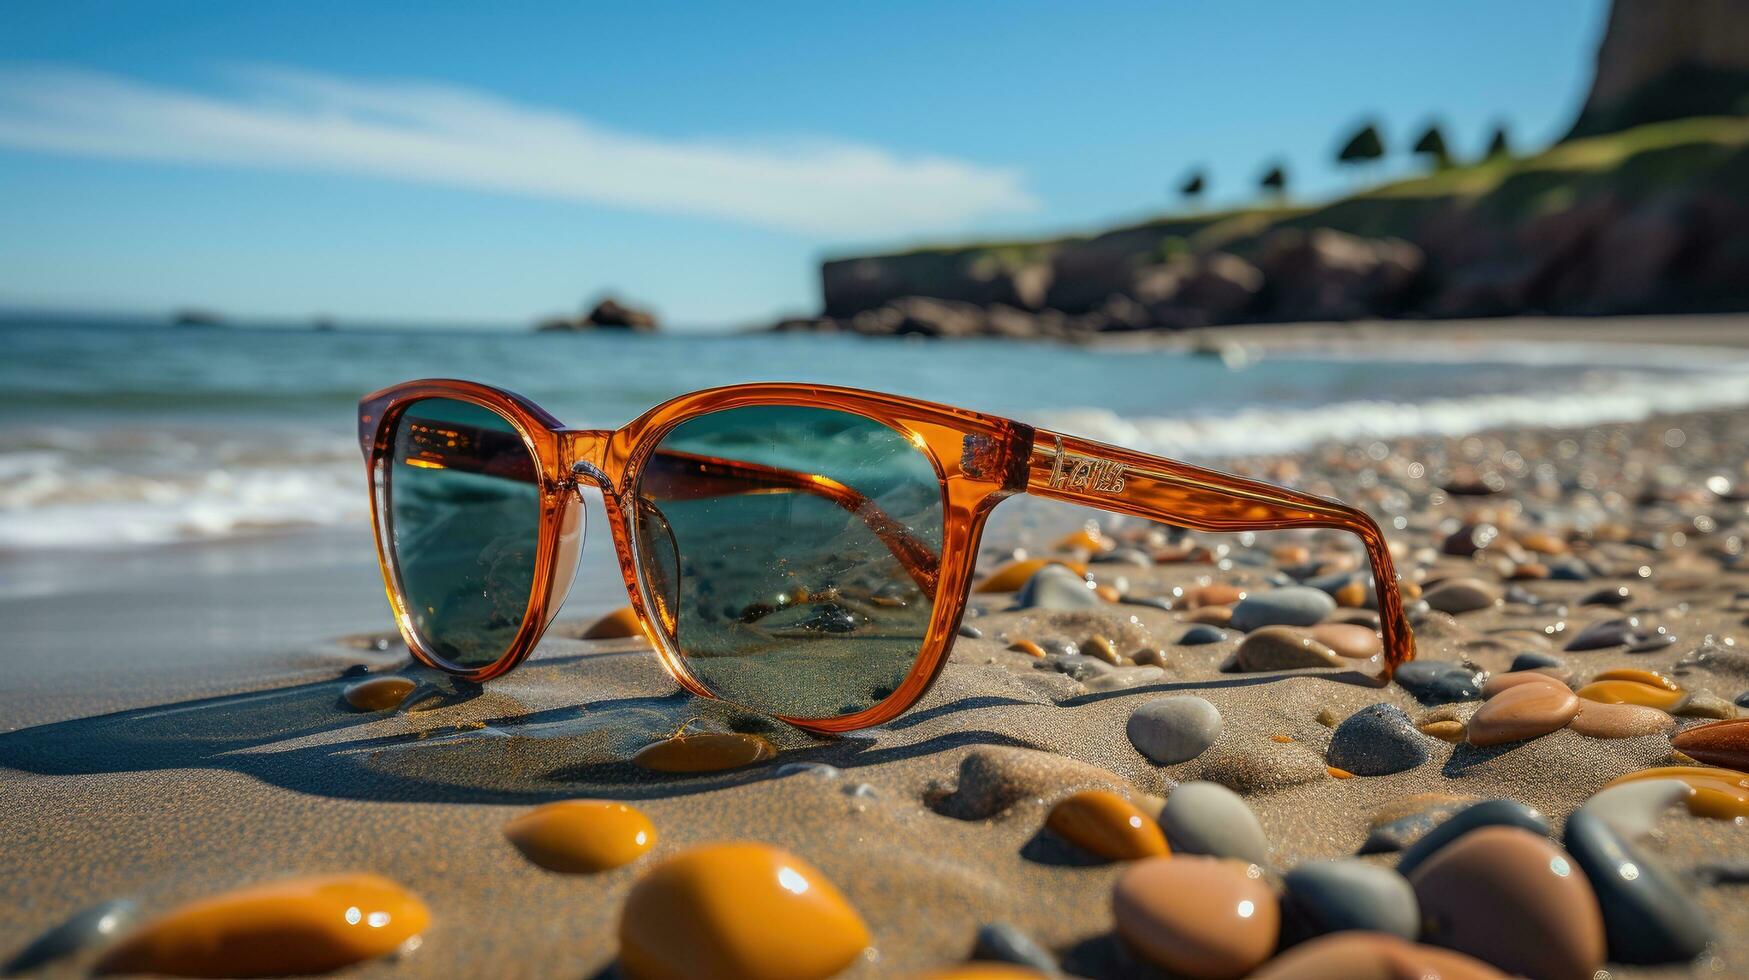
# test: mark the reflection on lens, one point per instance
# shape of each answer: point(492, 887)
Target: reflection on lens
point(791, 554)
point(464, 524)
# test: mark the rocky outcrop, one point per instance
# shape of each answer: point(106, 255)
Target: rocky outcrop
point(1668, 59)
point(609, 314)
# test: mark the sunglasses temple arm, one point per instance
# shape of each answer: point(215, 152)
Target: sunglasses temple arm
point(1122, 481)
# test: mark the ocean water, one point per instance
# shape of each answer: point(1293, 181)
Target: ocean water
point(122, 436)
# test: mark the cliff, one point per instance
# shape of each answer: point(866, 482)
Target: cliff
point(1668, 59)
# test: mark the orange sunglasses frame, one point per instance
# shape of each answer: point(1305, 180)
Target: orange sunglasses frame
point(981, 460)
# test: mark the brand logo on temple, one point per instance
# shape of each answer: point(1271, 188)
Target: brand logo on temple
point(1071, 472)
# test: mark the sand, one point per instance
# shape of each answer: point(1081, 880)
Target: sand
point(194, 796)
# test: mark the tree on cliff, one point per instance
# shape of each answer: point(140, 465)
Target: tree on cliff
point(1274, 182)
point(1192, 186)
point(1432, 145)
point(1364, 146)
point(1498, 145)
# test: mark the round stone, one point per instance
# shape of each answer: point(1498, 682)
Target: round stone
point(1438, 681)
point(1371, 956)
point(1720, 743)
point(1283, 648)
point(1202, 633)
point(1106, 825)
point(1462, 595)
point(1487, 813)
point(1609, 633)
point(1333, 896)
point(1208, 818)
point(1632, 809)
point(1055, 587)
point(1174, 729)
point(1408, 821)
point(1349, 640)
point(1197, 917)
point(1647, 915)
point(1599, 720)
point(1521, 712)
point(1500, 682)
point(1378, 740)
point(1618, 595)
point(745, 910)
point(582, 836)
point(1533, 660)
point(1508, 896)
point(1293, 605)
point(1004, 943)
point(96, 925)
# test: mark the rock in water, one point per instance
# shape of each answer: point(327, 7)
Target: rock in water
point(1507, 896)
point(1208, 818)
point(1198, 917)
point(1647, 915)
point(1378, 740)
point(1174, 729)
point(1294, 605)
point(1333, 896)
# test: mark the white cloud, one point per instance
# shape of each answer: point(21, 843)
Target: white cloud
point(437, 134)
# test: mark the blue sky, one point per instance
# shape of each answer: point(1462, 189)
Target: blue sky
point(491, 163)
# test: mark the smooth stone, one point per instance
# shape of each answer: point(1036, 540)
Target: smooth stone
point(1015, 574)
point(1742, 700)
point(1705, 704)
point(1632, 692)
point(1283, 648)
point(1373, 956)
point(1569, 570)
point(1633, 809)
point(1501, 682)
point(1649, 677)
point(1212, 616)
point(1462, 595)
point(1077, 666)
point(295, 926)
point(1652, 642)
point(1333, 896)
point(1198, 917)
point(1293, 605)
point(1208, 818)
point(1200, 634)
point(970, 632)
point(1123, 678)
point(743, 910)
point(1597, 719)
point(1378, 740)
point(1601, 636)
point(704, 752)
point(1445, 729)
point(1251, 767)
point(1102, 648)
point(1647, 915)
point(1521, 712)
point(1487, 813)
point(1720, 794)
point(1720, 743)
point(1056, 588)
point(1106, 825)
point(1400, 832)
point(992, 779)
point(1438, 681)
point(91, 927)
point(1004, 943)
point(1619, 595)
point(622, 622)
point(378, 693)
point(818, 769)
point(1217, 594)
point(582, 836)
point(1349, 640)
point(1510, 897)
point(1134, 557)
point(1533, 660)
point(1174, 729)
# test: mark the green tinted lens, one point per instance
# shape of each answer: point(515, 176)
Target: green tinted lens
point(791, 554)
point(464, 523)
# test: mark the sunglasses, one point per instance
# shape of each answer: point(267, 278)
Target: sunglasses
point(801, 550)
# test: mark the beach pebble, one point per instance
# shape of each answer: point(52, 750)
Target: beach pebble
point(1720, 743)
point(378, 693)
point(1283, 648)
point(1208, 818)
point(1652, 641)
point(1462, 595)
point(1438, 681)
point(1632, 809)
point(620, 623)
point(1705, 704)
point(1647, 915)
point(1378, 740)
point(294, 926)
point(1517, 678)
point(1200, 634)
point(1742, 700)
point(94, 926)
point(1719, 794)
point(1487, 813)
point(1525, 711)
point(582, 836)
point(1106, 825)
point(1126, 677)
point(745, 910)
point(1394, 833)
point(1602, 636)
point(1349, 640)
point(1212, 616)
point(1197, 917)
point(1534, 660)
point(1133, 557)
point(1619, 691)
point(1004, 943)
point(993, 778)
point(970, 632)
point(1262, 768)
point(1619, 595)
point(1015, 574)
point(704, 752)
point(1294, 605)
point(1173, 729)
point(1510, 897)
point(1217, 594)
point(1057, 588)
point(1599, 720)
point(1332, 896)
point(1372, 956)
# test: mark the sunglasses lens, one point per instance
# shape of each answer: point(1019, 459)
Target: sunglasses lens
point(463, 525)
point(791, 555)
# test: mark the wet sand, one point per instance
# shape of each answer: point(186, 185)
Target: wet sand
point(932, 825)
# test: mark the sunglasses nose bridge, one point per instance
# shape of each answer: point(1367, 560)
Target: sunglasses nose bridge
point(585, 451)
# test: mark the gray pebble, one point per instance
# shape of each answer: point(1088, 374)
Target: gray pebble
point(1058, 588)
point(1332, 896)
point(1618, 595)
point(1294, 605)
point(1134, 557)
point(1202, 633)
point(1742, 700)
point(1174, 729)
point(1652, 641)
point(1439, 681)
point(1488, 813)
point(1151, 601)
point(1568, 570)
point(1632, 809)
point(1378, 740)
point(1647, 915)
point(1609, 633)
point(1078, 666)
point(1462, 595)
point(1208, 818)
point(971, 632)
point(1397, 834)
point(1003, 943)
point(1532, 661)
point(93, 926)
